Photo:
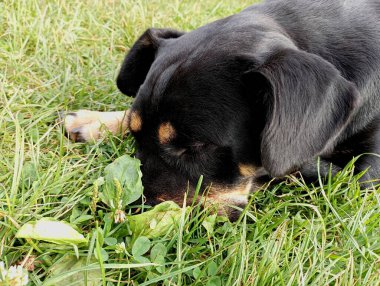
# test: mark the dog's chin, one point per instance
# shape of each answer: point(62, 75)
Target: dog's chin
point(225, 200)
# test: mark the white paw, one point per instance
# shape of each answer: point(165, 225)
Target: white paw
point(82, 125)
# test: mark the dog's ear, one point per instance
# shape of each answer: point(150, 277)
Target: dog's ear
point(309, 104)
point(139, 59)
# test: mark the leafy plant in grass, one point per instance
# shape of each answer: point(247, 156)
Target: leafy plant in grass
point(122, 185)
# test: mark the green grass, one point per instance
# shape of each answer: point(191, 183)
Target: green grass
point(64, 55)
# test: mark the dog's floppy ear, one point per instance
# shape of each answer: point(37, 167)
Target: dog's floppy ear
point(138, 61)
point(309, 104)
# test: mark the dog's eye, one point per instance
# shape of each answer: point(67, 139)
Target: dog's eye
point(191, 149)
point(179, 152)
point(190, 159)
point(198, 145)
point(172, 151)
point(194, 148)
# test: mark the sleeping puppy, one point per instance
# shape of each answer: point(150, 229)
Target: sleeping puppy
point(260, 94)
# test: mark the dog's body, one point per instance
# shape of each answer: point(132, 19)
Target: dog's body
point(262, 92)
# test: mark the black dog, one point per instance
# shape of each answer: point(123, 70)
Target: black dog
point(263, 92)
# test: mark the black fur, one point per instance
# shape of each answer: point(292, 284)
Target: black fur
point(274, 86)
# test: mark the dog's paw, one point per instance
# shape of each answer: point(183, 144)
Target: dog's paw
point(89, 126)
point(81, 126)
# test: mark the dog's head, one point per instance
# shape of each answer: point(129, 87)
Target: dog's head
point(227, 109)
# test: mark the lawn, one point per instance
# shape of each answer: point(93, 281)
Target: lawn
point(64, 55)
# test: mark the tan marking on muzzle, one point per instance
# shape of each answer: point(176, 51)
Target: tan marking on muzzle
point(135, 121)
point(225, 198)
point(166, 132)
point(247, 170)
point(235, 194)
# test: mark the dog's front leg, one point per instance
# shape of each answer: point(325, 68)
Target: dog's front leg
point(86, 125)
point(371, 164)
point(312, 169)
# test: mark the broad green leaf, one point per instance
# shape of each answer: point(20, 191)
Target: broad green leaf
point(141, 246)
point(157, 255)
point(212, 269)
point(29, 174)
point(103, 253)
point(197, 272)
point(214, 281)
point(158, 250)
point(142, 259)
point(160, 260)
point(157, 221)
point(122, 182)
point(110, 241)
point(51, 230)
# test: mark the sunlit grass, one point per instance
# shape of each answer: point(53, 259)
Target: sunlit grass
point(64, 55)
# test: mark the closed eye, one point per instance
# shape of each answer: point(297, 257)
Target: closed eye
point(195, 159)
point(198, 145)
point(180, 151)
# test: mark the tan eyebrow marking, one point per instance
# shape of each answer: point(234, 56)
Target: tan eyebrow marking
point(247, 170)
point(135, 121)
point(166, 132)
